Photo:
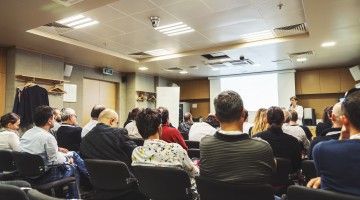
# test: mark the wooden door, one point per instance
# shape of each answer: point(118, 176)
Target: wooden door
point(97, 92)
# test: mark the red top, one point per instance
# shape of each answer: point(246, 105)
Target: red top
point(172, 135)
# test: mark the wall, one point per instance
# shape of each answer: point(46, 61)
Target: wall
point(35, 64)
point(2, 80)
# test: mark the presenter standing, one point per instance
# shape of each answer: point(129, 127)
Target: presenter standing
point(299, 109)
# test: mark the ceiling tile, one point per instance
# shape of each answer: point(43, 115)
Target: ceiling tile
point(104, 13)
point(132, 6)
point(101, 30)
point(126, 25)
point(217, 5)
point(296, 17)
point(270, 8)
point(165, 18)
point(185, 10)
point(165, 2)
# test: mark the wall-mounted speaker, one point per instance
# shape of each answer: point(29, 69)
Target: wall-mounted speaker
point(355, 72)
point(124, 79)
point(68, 70)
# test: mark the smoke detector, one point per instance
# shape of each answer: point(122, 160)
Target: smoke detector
point(155, 21)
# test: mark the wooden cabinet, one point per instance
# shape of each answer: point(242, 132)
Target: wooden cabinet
point(194, 89)
point(347, 81)
point(310, 82)
point(329, 81)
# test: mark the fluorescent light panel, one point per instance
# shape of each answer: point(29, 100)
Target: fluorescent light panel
point(183, 72)
point(70, 19)
point(81, 21)
point(328, 44)
point(143, 68)
point(158, 52)
point(86, 24)
point(78, 21)
point(302, 59)
point(174, 29)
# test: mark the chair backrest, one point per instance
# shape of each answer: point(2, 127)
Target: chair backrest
point(283, 169)
point(301, 193)
point(194, 153)
point(163, 183)
point(10, 192)
point(308, 169)
point(192, 144)
point(214, 190)
point(6, 161)
point(108, 175)
point(29, 165)
point(138, 141)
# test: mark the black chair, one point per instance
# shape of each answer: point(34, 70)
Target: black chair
point(31, 168)
point(280, 179)
point(194, 153)
point(303, 193)
point(111, 179)
point(214, 190)
point(308, 169)
point(17, 183)
point(163, 183)
point(11, 192)
point(192, 144)
point(7, 166)
point(36, 195)
point(138, 141)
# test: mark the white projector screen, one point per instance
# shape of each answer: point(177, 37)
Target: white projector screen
point(257, 91)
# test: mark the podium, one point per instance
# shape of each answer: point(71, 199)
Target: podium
point(309, 118)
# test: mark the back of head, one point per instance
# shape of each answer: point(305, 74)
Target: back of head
point(327, 114)
point(164, 114)
point(42, 114)
point(108, 117)
point(11, 118)
point(352, 90)
point(212, 121)
point(96, 110)
point(336, 113)
point(187, 117)
point(293, 116)
point(287, 115)
point(246, 114)
point(228, 106)
point(66, 113)
point(351, 109)
point(260, 121)
point(148, 122)
point(275, 117)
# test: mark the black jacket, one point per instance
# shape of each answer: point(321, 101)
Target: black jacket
point(107, 143)
point(69, 137)
point(324, 138)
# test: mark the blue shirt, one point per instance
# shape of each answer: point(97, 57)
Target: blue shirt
point(338, 163)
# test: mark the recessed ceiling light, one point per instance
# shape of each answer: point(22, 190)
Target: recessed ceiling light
point(183, 72)
point(70, 19)
point(174, 29)
point(261, 35)
point(78, 21)
point(143, 68)
point(328, 44)
point(158, 52)
point(81, 21)
point(86, 24)
point(302, 59)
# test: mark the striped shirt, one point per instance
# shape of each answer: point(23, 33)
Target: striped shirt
point(236, 158)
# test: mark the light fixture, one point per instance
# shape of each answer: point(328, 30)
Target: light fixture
point(302, 59)
point(183, 72)
point(328, 44)
point(261, 35)
point(143, 68)
point(175, 29)
point(215, 69)
point(158, 52)
point(77, 21)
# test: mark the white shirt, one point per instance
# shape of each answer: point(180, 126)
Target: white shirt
point(356, 136)
point(9, 140)
point(200, 129)
point(246, 127)
point(56, 126)
point(298, 133)
point(87, 128)
point(40, 142)
point(300, 112)
point(133, 130)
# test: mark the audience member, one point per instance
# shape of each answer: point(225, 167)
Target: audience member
point(230, 155)
point(295, 131)
point(95, 112)
point(283, 145)
point(131, 116)
point(326, 121)
point(337, 161)
point(39, 141)
point(246, 125)
point(169, 133)
point(131, 126)
point(260, 123)
point(293, 122)
point(9, 125)
point(106, 141)
point(69, 134)
point(57, 116)
point(199, 129)
point(156, 152)
point(184, 126)
point(295, 107)
point(331, 133)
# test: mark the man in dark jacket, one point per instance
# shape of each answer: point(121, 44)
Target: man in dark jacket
point(68, 134)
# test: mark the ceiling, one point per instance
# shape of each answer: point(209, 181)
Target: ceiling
point(124, 28)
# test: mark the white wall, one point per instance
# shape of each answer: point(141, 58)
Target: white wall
point(169, 97)
point(215, 89)
point(286, 87)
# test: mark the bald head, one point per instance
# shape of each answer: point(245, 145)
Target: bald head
point(109, 117)
point(187, 117)
point(335, 115)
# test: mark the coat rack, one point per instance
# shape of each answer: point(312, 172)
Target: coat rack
point(54, 90)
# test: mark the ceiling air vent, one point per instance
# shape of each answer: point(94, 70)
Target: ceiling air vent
point(54, 28)
point(67, 3)
point(303, 53)
point(139, 55)
point(173, 69)
point(290, 30)
point(215, 56)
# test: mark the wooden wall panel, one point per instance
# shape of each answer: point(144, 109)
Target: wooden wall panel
point(310, 82)
point(298, 83)
point(202, 110)
point(2, 80)
point(347, 81)
point(194, 89)
point(329, 81)
point(319, 102)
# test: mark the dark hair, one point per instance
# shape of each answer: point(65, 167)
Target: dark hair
point(275, 117)
point(164, 114)
point(351, 108)
point(293, 115)
point(42, 114)
point(246, 114)
point(211, 119)
point(327, 114)
point(228, 106)
point(148, 122)
point(11, 118)
point(294, 97)
point(352, 90)
point(96, 110)
point(187, 116)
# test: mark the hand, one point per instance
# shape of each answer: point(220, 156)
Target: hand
point(71, 161)
point(314, 183)
point(63, 150)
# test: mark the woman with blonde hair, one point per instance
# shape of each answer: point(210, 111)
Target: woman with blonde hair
point(260, 122)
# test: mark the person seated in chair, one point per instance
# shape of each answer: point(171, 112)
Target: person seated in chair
point(337, 161)
point(184, 127)
point(9, 125)
point(69, 134)
point(200, 129)
point(39, 141)
point(95, 112)
point(156, 152)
